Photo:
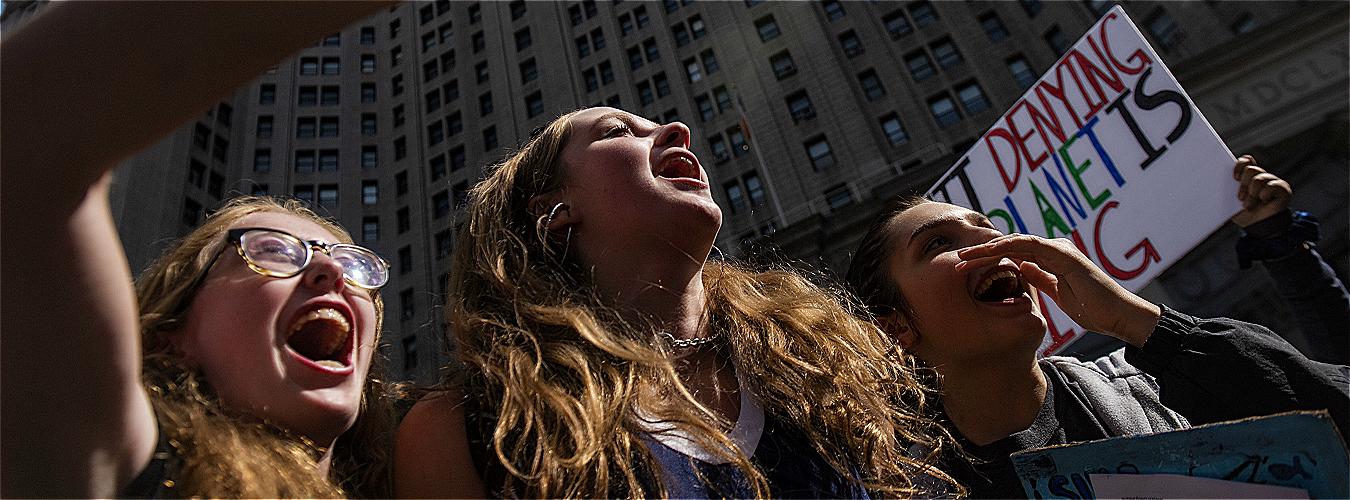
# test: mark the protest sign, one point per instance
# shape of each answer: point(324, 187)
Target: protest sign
point(1299, 450)
point(1107, 150)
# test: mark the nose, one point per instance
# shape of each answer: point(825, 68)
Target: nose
point(324, 274)
point(674, 134)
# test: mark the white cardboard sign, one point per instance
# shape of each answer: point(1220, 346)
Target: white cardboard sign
point(1106, 149)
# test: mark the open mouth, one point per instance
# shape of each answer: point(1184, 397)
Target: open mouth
point(679, 167)
point(323, 336)
point(1000, 287)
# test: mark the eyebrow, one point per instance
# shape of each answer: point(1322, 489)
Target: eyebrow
point(626, 118)
point(972, 218)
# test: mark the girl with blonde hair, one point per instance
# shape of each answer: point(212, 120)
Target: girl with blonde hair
point(601, 353)
point(246, 368)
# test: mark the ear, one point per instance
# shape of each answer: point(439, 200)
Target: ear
point(898, 328)
point(544, 204)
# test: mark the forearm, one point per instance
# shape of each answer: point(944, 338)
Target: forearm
point(1219, 369)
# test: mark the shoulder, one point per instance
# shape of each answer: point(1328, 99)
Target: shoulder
point(431, 451)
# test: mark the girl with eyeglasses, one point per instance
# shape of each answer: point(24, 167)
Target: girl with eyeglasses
point(601, 353)
point(242, 363)
point(951, 289)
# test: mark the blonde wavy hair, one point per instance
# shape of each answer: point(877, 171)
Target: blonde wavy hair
point(562, 375)
point(224, 453)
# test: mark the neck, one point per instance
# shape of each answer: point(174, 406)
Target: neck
point(664, 290)
point(991, 401)
point(325, 461)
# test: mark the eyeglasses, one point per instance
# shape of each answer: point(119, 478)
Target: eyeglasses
point(279, 254)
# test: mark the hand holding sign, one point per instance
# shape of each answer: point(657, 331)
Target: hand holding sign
point(1082, 290)
point(1262, 193)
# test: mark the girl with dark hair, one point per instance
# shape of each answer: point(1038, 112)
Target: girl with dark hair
point(241, 363)
point(601, 354)
point(960, 296)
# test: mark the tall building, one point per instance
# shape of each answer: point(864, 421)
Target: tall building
point(806, 115)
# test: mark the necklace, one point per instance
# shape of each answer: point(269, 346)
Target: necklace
point(687, 343)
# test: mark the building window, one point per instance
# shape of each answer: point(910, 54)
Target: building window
point(1164, 29)
point(370, 156)
point(453, 124)
point(328, 196)
point(583, 46)
point(444, 32)
point(897, 24)
point(753, 188)
point(432, 100)
point(435, 133)
point(1022, 72)
point(597, 39)
point(368, 92)
point(409, 348)
point(737, 138)
point(1055, 38)
point(450, 91)
point(309, 65)
point(490, 138)
point(871, 85)
point(395, 55)
point(719, 148)
point(799, 106)
point(705, 107)
point(645, 95)
point(782, 64)
point(304, 194)
point(697, 28)
point(370, 229)
point(370, 192)
point(430, 70)
point(528, 71)
point(523, 40)
point(485, 104)
point(895, 132)
point(1032, 7)
point(329, 95)
point(400, 148)
point(681, 35)
point(709, 61)
point(262, 160)
point(993, 27)
point(767, 27)
point(833, 9)
point(692, 70)
point(201, 136)
point(944, 111)
point(401, 184)
point(626, 25)
point(640, 14)
point(267, 93)
point(460, 193)
point(437, 167)
point(332, 66)
point(328, 160)
point(308, 96)
point(481, 69)
point(475, 13)
point(428, 40)
point(634, 57)
point(818, 150)
point(920, 68)
point(306, 126)
point(399, 115)
point(196, 173)
point(723, 99)
point(405, 260)
point(367, 35)
point(838, 197)
point(440, 203)
point(328, 126)
point(945, 52)
point(192, 212)
point(457, 160)
point(259, 190)
point(649, 46)
point(264, 130)
point(220, 148)
point(922, 13)
point(534, 104)
point(671, 115)
point(443, 244)
point(662, 84)
point(735, 196)
point(1244, 24)
point(305, 160)
point(517, 8)
point(407, 308)
point(367, 63)
point(850, 43)
point(404, 219)
point(606, 72)
point(394, 28)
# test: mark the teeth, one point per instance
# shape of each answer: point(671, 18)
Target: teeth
point(328, 363)
point(327, 314)
point(989, 280)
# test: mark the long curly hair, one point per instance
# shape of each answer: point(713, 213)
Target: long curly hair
point(226, 453)
point(563, 376)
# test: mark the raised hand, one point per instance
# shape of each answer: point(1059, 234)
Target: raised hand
point(1087, 294)
point(1262, 193)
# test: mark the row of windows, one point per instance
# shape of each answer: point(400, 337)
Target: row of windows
point(744, 192)
point(719, 144)
point(202, 139)
point(594, 41)
point(689, 30)
point(310, 160)
point(213, 182)
point(605, 72)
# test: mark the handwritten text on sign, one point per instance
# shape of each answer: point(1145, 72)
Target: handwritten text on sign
point(1106, 149)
